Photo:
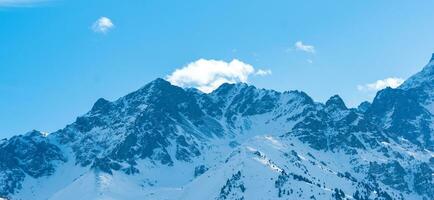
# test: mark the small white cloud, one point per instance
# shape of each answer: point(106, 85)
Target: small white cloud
point(207, 75)
point(309, 61)
point(263, 72)
point(102, 25)
point(304, 47)
point(392, 82)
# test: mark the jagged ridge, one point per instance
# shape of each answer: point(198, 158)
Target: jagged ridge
point(237, 139)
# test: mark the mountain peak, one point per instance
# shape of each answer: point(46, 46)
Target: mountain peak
point(225, 88)
point(156, 85)
point(337, 102)
point(34, 133)
point(159, 81)
point(364, 106)
point(101, 105)
point(422, 78)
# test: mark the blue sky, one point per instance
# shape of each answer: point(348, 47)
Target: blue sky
point(56, 60)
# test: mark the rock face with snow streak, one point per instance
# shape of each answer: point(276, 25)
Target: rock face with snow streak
point(238, 142)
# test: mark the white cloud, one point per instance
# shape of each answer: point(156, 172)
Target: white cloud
point(21, 3)
point(207, 75)
point(304, 47)
point(263, 72)
point(102, 25)
point(392, 82)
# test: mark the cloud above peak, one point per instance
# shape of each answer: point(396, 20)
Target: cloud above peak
point(207, 75)
point(392, 82)
point(102, 25)
point(304, 47)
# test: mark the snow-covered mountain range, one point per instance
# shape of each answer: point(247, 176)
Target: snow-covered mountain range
point(238, 142)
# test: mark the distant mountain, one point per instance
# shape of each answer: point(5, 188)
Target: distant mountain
point(238, 142)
